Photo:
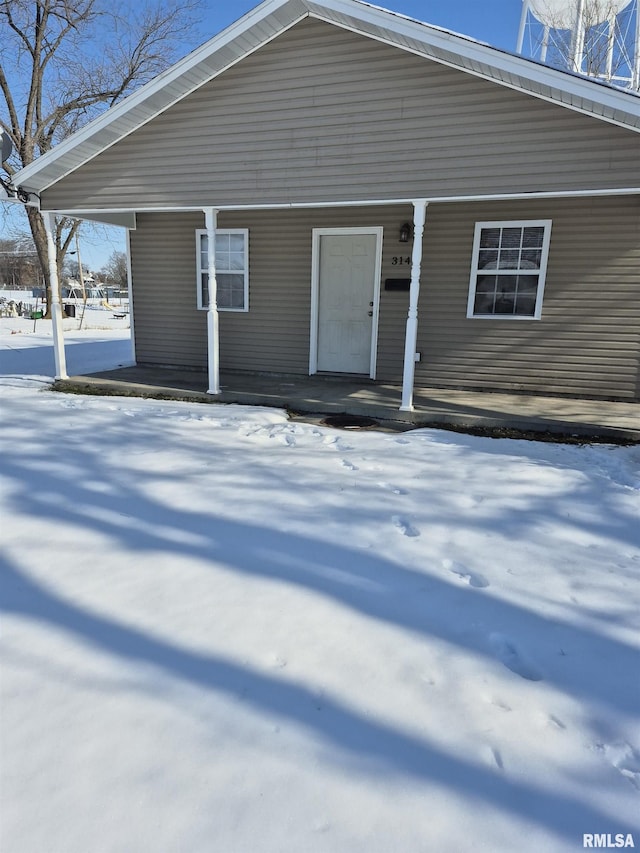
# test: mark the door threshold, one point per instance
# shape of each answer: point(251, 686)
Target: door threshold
point(329, 374)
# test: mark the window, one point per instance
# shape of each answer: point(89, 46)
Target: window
point(508, 269)
point(232, 269)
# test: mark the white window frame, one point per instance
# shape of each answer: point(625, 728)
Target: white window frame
point(200, 270)
point(541, 272)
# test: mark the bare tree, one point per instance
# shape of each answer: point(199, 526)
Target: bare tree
point(62, 62)
point(115, 271)
point(19, 268)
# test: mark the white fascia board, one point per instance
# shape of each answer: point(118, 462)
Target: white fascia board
point(122, 111)
point(296, 205)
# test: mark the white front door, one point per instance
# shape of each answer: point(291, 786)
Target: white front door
point(347, 300)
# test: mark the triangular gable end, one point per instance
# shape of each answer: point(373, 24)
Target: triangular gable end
point(324, 115)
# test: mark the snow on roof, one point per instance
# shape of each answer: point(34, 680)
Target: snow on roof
point(273, 17)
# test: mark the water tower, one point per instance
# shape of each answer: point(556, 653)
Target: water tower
point(597, 38)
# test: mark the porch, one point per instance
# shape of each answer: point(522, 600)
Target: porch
point(325, 395)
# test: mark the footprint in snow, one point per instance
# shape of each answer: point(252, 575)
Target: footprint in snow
point(491, 756)
point(282, 436)
point(497, 757)
point(275, 661)
point(404, 526)
point(510, 655)
point(394, 489)
point(625, 759)
point(336, 443)
point(474, 579)
point(349, 465)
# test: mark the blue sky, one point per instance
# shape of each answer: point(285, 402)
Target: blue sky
point(493, 21)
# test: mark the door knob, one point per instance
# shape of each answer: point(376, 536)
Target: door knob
point(370, 313)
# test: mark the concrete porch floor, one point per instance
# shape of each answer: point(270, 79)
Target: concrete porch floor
point(320, 395)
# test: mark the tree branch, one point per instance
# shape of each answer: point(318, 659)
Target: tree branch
point(61, 80)
point(14, 131)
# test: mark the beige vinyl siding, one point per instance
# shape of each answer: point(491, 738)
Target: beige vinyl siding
point(322, 114)
point(167, 325)
point(274, 335)
point(588, 340)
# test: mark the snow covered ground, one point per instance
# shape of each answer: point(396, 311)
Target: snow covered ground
point(26, 346)
point(225, 632)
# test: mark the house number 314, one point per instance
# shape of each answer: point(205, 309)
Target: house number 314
point(398, 261)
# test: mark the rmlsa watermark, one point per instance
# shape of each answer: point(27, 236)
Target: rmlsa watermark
point(607, 840)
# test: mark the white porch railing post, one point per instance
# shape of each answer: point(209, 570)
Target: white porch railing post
point(213, 343)
point(419, 218)
point(56, 307)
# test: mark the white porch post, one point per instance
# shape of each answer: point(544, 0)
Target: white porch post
point(419, 217)
point(56, 308)
point(213, 343)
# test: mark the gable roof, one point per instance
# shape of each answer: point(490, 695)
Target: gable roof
point(273, 17)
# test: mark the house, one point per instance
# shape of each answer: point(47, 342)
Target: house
point(386, 199)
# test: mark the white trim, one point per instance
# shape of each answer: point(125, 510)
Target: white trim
point(541, 272)
point(130, 289)
point(201, 232)
point(317, 233)
point(305, 205)
point(411, 334)
point(315, 306)
point(213, 332)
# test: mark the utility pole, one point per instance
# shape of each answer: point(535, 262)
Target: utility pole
point(81, 277)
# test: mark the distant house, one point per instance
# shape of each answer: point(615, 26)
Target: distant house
point(386, 199)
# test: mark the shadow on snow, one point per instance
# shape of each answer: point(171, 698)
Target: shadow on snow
point(403, 597)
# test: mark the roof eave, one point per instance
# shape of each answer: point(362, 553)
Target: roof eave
point(273, 17)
